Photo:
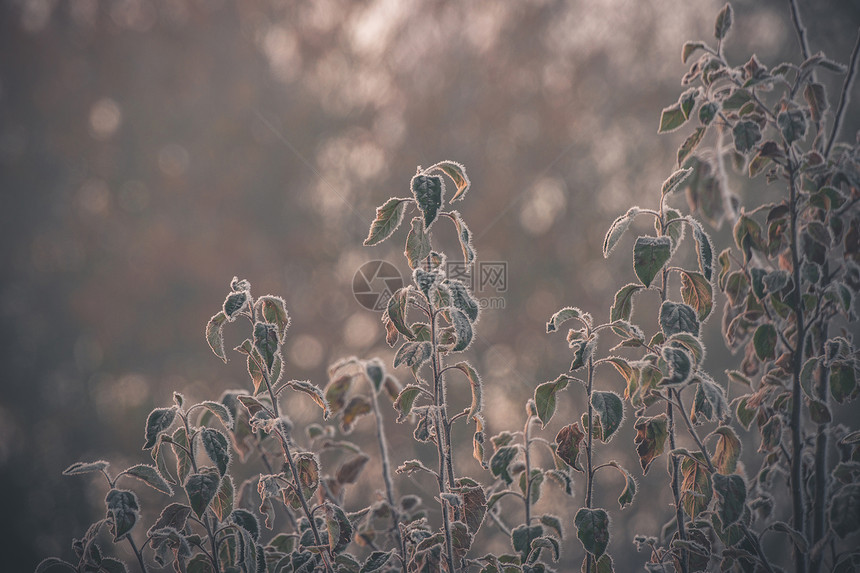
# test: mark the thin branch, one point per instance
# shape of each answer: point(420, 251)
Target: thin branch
point(843, 98)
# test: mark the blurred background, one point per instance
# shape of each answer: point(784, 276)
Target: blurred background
point(150, 150)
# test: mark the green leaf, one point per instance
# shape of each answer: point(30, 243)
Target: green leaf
point(680, 366)
point(629, 491)
point(388, 218)
point(428, 191)
point(457, 173)
point(376, 561)
point(174, 516)
point(704, 250)
point(651, 434)
point(727, 451)
point(464, 235)
point(463, 300)
point(267, 343)
point(792, 124)
point(622, 308)
point(689, 49)
point(617, 229)
point(474, 505)
point(215, 335)
point(312, 390)
point(568, 441)
point(582, 351)
point(183, 461)
point(201, 489)
point(845, 510)
point(396, 310)
point(724, 22)
point(273, 309)
point(697, 292)
point(678, 317)
point(764, 341)
point(462, 328)
point(417, 243)
point(843, 380)
point(708, 112)
point(476, 386)
point(234, 303)
point(746, 134)
point(222, 503)
point(649, 256)
point(546, 542)
point(150, 476)
point(610, 409)
point(536, 479)
point(545, 397)
point(691, 143)
point(221, 411)
point(215, 444)
point(553, 523)
point(413, 354)
point(157, 421)
point(85, 467)
point(123, 509)
point(592, 529)
point(405, 401)
point(696, 488)
point(501, 460)
point(671, 118)
point(566, 314)
point(522, 537)
point(339, 528)
point(674, 181)
point(732, 493)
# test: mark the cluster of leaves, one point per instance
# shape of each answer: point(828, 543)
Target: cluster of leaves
point(790, 281)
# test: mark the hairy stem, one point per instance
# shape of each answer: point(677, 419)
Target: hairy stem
point(676, 488)
point(843, 97)
point(528, 497)
point(819, 511)
point(589, 449)
point(693, 432)
point(137, 553)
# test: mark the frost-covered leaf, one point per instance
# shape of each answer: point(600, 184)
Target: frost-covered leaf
point(417, 243)
point(610, 409)
point(464, 235)
point(463, 300)
point(273, 309)
point(357, 407)
point(376, 561)
point(629, 491)
point(696, 487)
point(649, 256)
point(592, 529)
point(475, 385)
point(622, 308)
point(123, 509)
point(388, 218)
point(428, 191)
point(845, 510)
point(85, 467)
point(566, 314)
point(217, 448)
point(413, 354)
point(462, 328)
point(522, 537)
point(500, 461)
point(675, 179)
point(221, 412)
point(651, 434)
point(691, 143)
point(457, 173)
point(792, 124)
point(222, 503)
point(679, 363)
point(764, 341)
point(697, 292)
point(746, 134)
point(569, 440)
point(234, 304)
point(406, 400)
point(201, 488)
point(150, 476)
point(215, 335)
point(724, 22)
point(313, 391)
point(732, 493)
point(616, 231)
point(157, 421)
point(267, 343)
point(671, 118)
point(545, 397)
point(678, 317)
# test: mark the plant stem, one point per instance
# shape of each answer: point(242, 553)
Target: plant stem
point(439, 422)
point(137, 553)
point(528, 497)
point(819, 517)
point(386, 477)
point(843, 98)
point(796, 396)
point(693, 432)
point(676, 489)
point(589, 487)
point(799, 28)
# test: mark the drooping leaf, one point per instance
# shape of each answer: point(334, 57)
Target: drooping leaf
point(463, 300)
point(696, 487)
point(609, 407)
point(388, 218)
point(697, 292)
point(417, 243)
point(732, 493)
point(462, 328)
point(764, 341)
point(222, 503)
point(689, 49)
point(704, 250)
point(617, 230)
point(54, 565)
point(500, 461)
point(679, 363)
point(464, 235)
point(312, 390)
point(397, 307)
point(553, 523)
point(651, 434)
point(649, 256)
point(629, 491)
point(428, 191)
point(675, 318)
point(157, 421)
point(273, 309)
point(569, 439)
point(566, 314)
point(357, 407)
point(691, 143)
point(592, 529)
point(475, 385)
point(622, 308)
point(150, 476)
point(85, 467)
point(123, 509)
point(457, 173)
point(201, 488)
point(474, 506)
point(746, 134)
point(174, 516)
point(221, 412)
point(217, 448)
point(522, 537)
point(545, 397)
point(267, 343)
point(405, 401)
point(845, 510)
point(339, 528)
point(414, 354)
point(215, 335)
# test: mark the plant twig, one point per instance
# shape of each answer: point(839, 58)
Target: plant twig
point(844, 97)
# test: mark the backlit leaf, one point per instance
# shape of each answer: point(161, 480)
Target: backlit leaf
point(457, 173)
point(85, 467)
point(222, 503)
point(215, 335)
point(475, 384)
point(266, 342)
point(397, 307)
point(616, 230)
point(414, 354)
point(764, 341)
point(428, 191)
point(150, 476)
point(724, 22)
point(545, 397)
point(671, 118)
point(732, 493)
point(217, 448)
point(157, 421)
point(201, 488)
point(123, 509)
point(651, 434)
point(568, 440)
point(746, 134)
point(592, 529)
point(406, 400)
point(566, 314)
point(649, 256)
point(697, 292)
point(417, 243)
point(691, 143)
point(273, 309)
point(675, 318)
point(629, 491)
point(609, 407)
point(696, 487)
point(675, 179)
point(501, 460)
point(727, 451)
point(462, 328)
point(388, 218)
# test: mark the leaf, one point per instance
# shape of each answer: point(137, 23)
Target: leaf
point(474, 506)
point(123, 509)
point(396, 310)
point(674, 181)
point(174, 516)
point(724, 22)
point(215, 335)
point(215, 444)
point(732, 493)
point(675, 318)
point(568, 440)
point(463, 300)
point(183, 461)
point(671, 118)
point(273, 310)
point(312, 390)
point(234, 304)
point(388, 218)
point(522, 537)
point(357, 407)
point(157, 421)
point(221, 412)
point(338, 526)
point(545, 397)
point(651, 434)
point(501, 460)
point(476, 386)
point(616, 231)
point(222, 504)
point(376, 561)
point(704, 250)
point(843, 380)
point(845, 510)
point(267, 343)
point(697, 292)
point(405, 401)
point(629, 491)
point(797, 537)
point(707, 113)
point(746, 134)
point(764, 341)
point(649, 256)
point(85, 467)
point(201, 488)
point(689, 49)
point(464, 235)
point(691, 143)
point(413, 354)
point(622, 308)
point(428, 191)
point(53, 564)
point(566, 314)
point(680, 366)
point(696, 488)
point(792, 124)
point(417, 243)
point(592, 529)
point(150, 476)
point(546, 542)
point(457, 173)
point(553, 523)
point(462, 328)
point(610, 409)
